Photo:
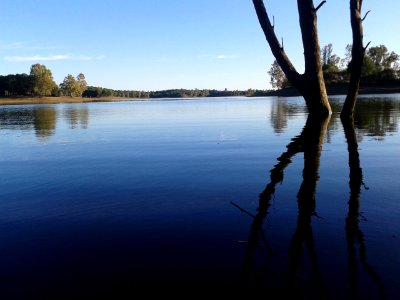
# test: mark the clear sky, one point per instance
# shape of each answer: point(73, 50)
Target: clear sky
point(165, 44)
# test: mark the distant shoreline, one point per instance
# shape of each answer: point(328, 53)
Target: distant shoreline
point(339, 90)
point(287, 92)
point(59, 100)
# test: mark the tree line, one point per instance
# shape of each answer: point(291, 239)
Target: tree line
point(96, 92)
point(39, 83)
point(380, 67)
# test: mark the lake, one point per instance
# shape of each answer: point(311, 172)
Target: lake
point(224, 193)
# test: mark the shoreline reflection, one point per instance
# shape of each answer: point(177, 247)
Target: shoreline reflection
point(43, 119)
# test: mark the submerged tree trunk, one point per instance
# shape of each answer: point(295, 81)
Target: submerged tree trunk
point(357, 53)
point(311, 84)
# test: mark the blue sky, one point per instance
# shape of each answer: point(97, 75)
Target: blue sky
point(163, 44)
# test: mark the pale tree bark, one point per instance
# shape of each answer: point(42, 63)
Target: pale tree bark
point(357, 54)
point(311, 84)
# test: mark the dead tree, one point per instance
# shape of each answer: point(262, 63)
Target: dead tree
point(357, 58)
point(311, 84)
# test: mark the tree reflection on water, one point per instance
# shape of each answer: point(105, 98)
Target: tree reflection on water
point(42, 119)
point(310, 142)
point(354, 235)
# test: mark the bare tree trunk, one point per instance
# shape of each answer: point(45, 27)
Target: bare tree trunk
point(357, 53)
point(311, 84)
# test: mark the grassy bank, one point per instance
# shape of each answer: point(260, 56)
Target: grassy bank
point(55, 100)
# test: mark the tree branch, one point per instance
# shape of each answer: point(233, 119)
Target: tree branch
point(319, 6)
point(243, 210)
point(362, 20)
point(278, 52)
point(365, 48)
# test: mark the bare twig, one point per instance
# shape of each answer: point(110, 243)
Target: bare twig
point(242, 210)
point(365, 48)
point(365, 15)
point(319, 6)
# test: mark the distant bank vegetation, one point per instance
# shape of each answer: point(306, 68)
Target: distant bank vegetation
point(40, 83)
point(381, 69)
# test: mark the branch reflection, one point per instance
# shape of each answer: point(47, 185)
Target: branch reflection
point(315, 131)
point(354, 235)
point(309, 142)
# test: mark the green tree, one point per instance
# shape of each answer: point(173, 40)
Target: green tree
point(378, 63)
point(250, 93)
point(330, 65)
point(278, 79)
point(330, 61)
point(73, 87)
point(82, 82)
point(16, 85)
point(347, 55)
point(42, 82)
point(107, 93)
point(368, 67)
point(70, 86)
point(382, 59)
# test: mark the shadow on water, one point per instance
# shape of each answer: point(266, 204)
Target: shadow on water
point(309, 142)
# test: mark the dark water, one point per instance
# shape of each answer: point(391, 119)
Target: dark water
point(219, 193)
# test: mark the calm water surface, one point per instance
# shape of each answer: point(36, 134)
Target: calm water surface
point(213, 193)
